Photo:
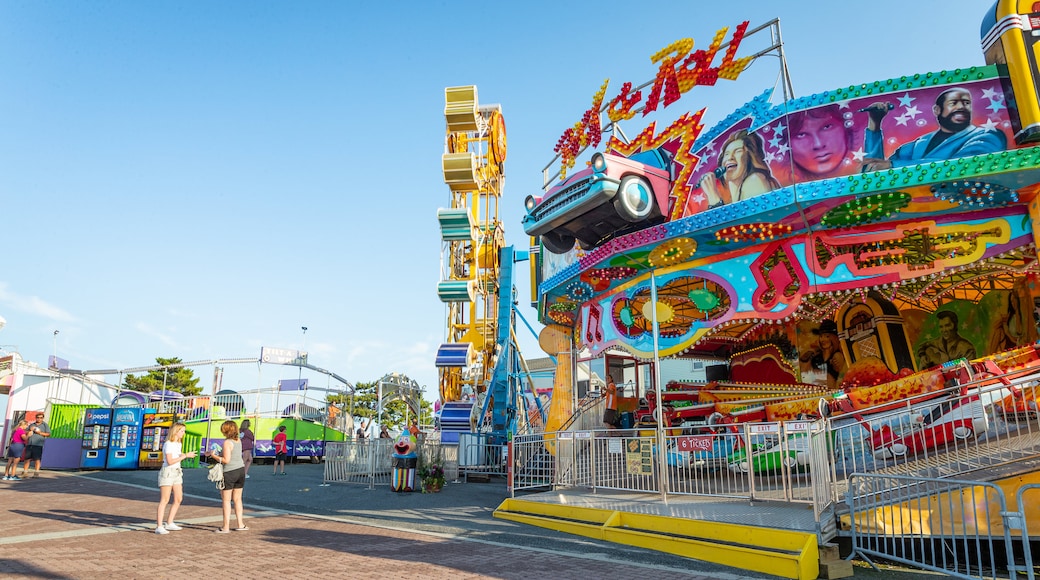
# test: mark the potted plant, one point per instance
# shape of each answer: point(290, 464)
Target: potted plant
point(431, 476)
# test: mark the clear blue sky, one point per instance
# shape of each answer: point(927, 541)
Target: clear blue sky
point(200, 179)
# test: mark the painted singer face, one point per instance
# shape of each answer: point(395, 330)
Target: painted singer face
point(955, 113)
point(734, 160)
point(947, 329)
point(818, 145)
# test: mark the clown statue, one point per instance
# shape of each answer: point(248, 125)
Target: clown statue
point(403, 462)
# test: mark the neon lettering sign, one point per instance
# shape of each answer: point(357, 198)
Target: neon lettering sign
point(679, 70)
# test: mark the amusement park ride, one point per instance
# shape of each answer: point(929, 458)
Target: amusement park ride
point(880, 213)
point(899, 216)
point(479, 362)
point(860, 259)
point(874, 206)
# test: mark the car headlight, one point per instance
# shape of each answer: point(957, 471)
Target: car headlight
point(530, 202)
point(599, 163)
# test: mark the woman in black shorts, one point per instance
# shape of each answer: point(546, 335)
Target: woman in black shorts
point(234, 475)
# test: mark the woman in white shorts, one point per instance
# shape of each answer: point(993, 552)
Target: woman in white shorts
point(171, 479)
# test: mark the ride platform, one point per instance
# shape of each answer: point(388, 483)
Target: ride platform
point(769, 537)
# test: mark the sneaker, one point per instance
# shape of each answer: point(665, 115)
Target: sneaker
point(5, 478)
point(173, 527)
point(161, 530)
point(247, 476)
point(14, 478)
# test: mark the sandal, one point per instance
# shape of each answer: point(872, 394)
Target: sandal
point(242, 529)
point(221, 531)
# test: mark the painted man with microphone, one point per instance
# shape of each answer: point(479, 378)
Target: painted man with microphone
point(955, 137)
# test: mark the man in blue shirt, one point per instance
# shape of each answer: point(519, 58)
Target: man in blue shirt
point(38, 433)
point(956, 136)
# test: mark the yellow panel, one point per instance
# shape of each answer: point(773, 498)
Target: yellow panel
point(1018, 48)
point(1034, 217)
point(460, 171)
point(460, 108)
point(785, 553)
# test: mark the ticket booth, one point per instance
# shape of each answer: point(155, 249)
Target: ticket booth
point(633, 378)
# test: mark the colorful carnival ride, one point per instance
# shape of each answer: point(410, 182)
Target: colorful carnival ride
point(858, 268)
point(479, 361)
point(839, 251)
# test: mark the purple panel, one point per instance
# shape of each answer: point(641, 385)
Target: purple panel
point(62, 453)
point(293, 385)
point(130, 398)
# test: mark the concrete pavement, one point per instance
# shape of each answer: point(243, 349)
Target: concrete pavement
point(100, 525)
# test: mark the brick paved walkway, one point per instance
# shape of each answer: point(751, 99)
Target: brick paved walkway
point(65, 525)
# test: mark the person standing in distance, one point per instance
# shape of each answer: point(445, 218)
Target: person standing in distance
point(38, 433)
point(15, 450)
point(610, 415)
point(281, 450)
point(246, 434)
point(234, 475)
point(171, 479)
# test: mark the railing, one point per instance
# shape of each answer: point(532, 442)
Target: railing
point(476, 454)
point(988, 422)
point(1022, 527)
point(771, 461)
point(531, 465)
point(444, 454)
point(369, 461)
point(949, 433)
point(959, 528)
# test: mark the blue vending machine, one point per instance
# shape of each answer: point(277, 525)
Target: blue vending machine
point(97, 424)
point(124, 447)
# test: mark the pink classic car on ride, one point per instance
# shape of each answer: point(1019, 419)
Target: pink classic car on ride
point(613, 196)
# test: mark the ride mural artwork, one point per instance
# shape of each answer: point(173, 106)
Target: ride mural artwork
point(910, 196)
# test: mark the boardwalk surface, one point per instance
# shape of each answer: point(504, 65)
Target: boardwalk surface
point(100, 525)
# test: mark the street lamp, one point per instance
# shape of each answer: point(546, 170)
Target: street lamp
point(54, 361)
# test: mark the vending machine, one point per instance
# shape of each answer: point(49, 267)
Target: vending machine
point(97, 425)
point(124, 447)
point(153, 434)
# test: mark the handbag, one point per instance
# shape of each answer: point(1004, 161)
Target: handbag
point(216, 475)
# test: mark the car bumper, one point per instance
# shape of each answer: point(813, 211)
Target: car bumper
point(566, 207)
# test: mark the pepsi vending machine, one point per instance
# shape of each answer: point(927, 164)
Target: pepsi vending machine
point(124, 446)
point(97, 424)
point(153, 434)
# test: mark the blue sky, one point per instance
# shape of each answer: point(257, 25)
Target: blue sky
point(200, 179)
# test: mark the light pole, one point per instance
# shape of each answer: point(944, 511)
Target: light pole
point(299, 375)
point(54, 359)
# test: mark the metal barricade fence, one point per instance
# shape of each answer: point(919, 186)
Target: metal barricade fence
point(476, 454)
point(959, 528)
point(531, 465)
point(757, 462)
point(699, 464)
point(946, 432)
point(615, 462)
point(367, 461)
point(1022, 527)
point(444, 454)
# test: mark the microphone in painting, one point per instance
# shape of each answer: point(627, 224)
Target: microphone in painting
point(889, 106)
point(719, 172)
